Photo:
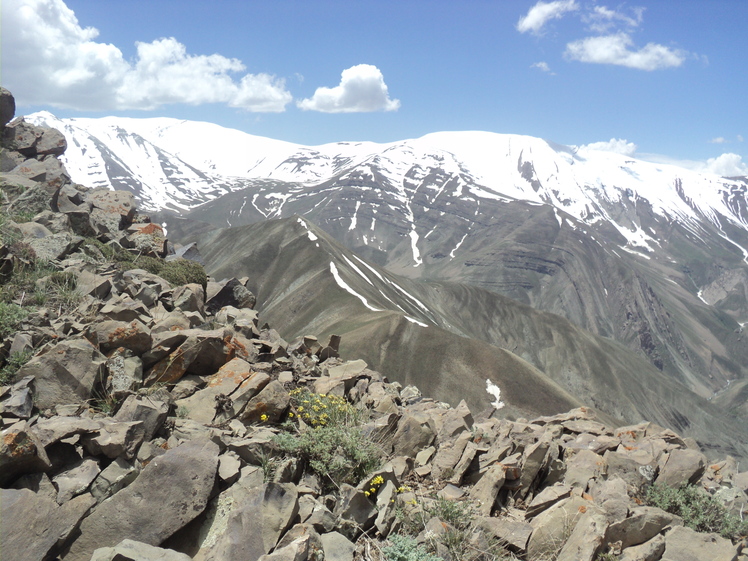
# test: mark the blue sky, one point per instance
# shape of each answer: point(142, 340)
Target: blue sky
point(668, 77)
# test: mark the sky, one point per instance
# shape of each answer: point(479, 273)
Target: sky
point(663, 80)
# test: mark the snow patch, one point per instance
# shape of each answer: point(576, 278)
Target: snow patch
point(412, 320)
point(452, 253)
point(342, 284)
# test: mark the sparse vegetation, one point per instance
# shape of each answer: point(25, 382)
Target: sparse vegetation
point(699, 510)
point(12, 365)
point(405, 548)
point(328, 438)
point(10, 316)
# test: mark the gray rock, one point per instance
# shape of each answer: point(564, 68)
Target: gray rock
point(111, 211)
point(533, 460)
point(190, 298)
point(587, 539)
point(233, 293)
point(20, 402)
point(447, 456)
point(337, 547)
point(132, 335)
point(33, 525)
point(297, 550)
point(55, 246)
point(67, 373)
point(76, 479)
point(547, 498)
point(115, 439)
point(684, 544)
point(151, 412)
point(649, 551)
point(52, 142)
point(583, 467)
point(514, 533)
point(7, 107)
point(356, 507)
point(116, 476)
point(644, 523)
point(681, 467)
point(148, 510)
point(487, 489)
point(552, 527)
point(413, 435)
point(129, 550)
point(21, 451)
point(267, 406)
point(254, 528)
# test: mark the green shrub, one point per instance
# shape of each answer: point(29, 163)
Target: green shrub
point(405, 548)
point(11, 316)
point(458, 514)
point(183, 271)
point(699, 510)
point(12, 366)
point(339, 454)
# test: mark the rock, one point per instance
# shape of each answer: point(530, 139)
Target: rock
point(583, 467)
point(129, 550)
point(684, 544)
point(267, 406)
point(190, 298)
point(51, 143)
point(111, 335)
point(552, 527)
point(7, 107)
point(236, 382)
point(587, 539)
point(116, 476)
point(124, 373)
point(115, 439)
point(148, 510)
point(111, 211)
point(447, 456)
point(151, 412)
point(147, 239)
point(413, 435)
point(513, 533)
point(254, 528)
point(356, 511)
point(34, 526)
point(20, 402)
point(297, 550)
point(233, 293)
point(533, 460)
point(649, 551)
point(547, 498)
point(67, 373)
point(486, 491)
point(644, 523)
point(681, 467)
point(337, 547)
point(21, 451)
point(55, 246)
point(75, 479)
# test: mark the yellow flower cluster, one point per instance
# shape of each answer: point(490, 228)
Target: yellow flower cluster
point(319, 409)
point(403, 489)
point(263, 417)
point(374, 486)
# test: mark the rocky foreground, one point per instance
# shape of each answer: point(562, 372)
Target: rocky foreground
point(148, 415)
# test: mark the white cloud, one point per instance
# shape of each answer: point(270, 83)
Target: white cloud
point(739, 138)
point(617, 145)
point(718, 140)
point(727, 165)
point(542, 12)
point(616, 49)
point(602, 19)
point(361, 89)
point(543, 66)
point(57, 62)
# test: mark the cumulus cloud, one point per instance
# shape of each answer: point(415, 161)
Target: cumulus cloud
point(727, 165)
point(718, 140)
point(617, 49)
point(543, 12)
point(362, 89)
point(543, 66)
point(617, 145)
point(59, 63)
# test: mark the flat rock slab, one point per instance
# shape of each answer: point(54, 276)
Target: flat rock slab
point(129, 550)
point(33, 524)
point(684, 544)
point(170, 492)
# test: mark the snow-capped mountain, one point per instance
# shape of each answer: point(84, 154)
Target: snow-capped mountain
point(653, 255)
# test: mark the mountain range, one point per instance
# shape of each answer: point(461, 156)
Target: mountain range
point(624, 283)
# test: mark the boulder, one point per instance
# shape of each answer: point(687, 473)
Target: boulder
point(267, 406)
point(117, 475)
point(682, 467)
point(115, 439)
point(232, 293)
point(684, 544)
point(337, 547)
point(21, 451)
point(587, 539)
point(413, 435)
point(151, 412)
point(111, 211)
point(76, 479)
point(643, 523)
point(514, 533)
point(254, 528)
point(129, 550)
point(7, 107)
point(66, 373)
point(486, 491)
point(649, 551)
point(132, 335)
point(149, 510)
point(34, 526)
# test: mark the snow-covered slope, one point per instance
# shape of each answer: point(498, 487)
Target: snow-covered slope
point(180, 164)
